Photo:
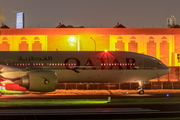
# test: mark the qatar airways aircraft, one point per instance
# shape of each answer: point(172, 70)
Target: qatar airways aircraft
point(41, 70)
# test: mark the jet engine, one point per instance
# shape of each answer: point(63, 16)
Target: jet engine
point(39, 81)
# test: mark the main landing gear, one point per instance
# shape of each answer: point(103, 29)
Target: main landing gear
point(140, 89)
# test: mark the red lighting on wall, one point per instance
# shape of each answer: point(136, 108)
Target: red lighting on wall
point(3, 84)
point(15, 87)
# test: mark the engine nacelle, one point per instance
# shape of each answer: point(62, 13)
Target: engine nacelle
point(39, 81)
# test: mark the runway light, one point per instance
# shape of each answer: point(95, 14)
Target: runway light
point(109, 99)
point(167, 95)
point(3, 84)
point(105, 50)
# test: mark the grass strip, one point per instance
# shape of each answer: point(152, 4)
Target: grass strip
point(29, 102)
point(145, 100)
point(39, 102)
point(8, 91)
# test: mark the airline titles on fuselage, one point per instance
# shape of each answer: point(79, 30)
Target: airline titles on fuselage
point(130, 62)
point(32, 58)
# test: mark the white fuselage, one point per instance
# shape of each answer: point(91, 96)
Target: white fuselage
point(107, 76)
point(84, 67)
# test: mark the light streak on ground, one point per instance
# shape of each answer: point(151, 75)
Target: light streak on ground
point(38, 102)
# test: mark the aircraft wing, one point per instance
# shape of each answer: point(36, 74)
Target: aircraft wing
point(11, 73)
point(5, 68)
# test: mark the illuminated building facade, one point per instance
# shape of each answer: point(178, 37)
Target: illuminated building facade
point(162, 43)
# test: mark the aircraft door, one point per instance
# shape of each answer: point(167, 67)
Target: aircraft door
point(8, 62)
point(140, 63)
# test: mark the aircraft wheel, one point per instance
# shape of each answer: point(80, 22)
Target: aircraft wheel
point(141, 91)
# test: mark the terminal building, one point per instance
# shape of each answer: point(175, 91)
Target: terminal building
point(162, 43)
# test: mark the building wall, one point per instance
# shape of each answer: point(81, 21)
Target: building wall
point(160, 43)
point(159, 46)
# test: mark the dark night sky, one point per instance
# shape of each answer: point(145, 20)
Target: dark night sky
point(91, 13)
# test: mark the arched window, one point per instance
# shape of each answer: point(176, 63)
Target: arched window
point(151, 37)
point(23, 46)
point(4, 46)
point(4, 38)
point(36, 38)
point(37, 46)
point(119, 46)
point(133, 46)
point(132, 37)
point(151, 48)
point(164, 37)
point(164, 52)
point(23, 38)
point(119, 37)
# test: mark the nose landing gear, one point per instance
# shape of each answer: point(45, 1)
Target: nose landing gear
point(140, 89)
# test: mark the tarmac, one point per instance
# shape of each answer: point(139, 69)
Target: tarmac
point(89, 111)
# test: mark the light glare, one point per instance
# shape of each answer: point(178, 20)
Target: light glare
point(72, 41)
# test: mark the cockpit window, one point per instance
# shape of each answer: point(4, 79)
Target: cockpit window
point(159, 62)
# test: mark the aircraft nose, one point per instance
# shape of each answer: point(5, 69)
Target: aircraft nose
point(165, 66)
point(166, 69)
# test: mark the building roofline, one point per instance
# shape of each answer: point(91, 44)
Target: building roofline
point(75, 31)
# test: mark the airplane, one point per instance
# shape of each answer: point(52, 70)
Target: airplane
point(40, 71)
